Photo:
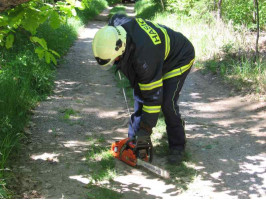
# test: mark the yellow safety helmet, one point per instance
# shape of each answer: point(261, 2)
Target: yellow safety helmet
point(109, 43)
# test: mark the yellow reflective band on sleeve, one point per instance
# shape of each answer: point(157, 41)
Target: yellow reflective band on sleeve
point(150, 31)
point(151, 109)
point(167, 40)
point(152, 85)
point(179, 71)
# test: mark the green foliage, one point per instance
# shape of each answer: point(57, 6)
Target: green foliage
point(147, 9)
point(68, 112)
point(202, 9)
point(241, 12)
point(30, 16)
point(92, 8)
point(182, 9)
point(182, 6)
point(27, 51)
point(43, 51)
point(112, 2)
point(101, 161)
point(9, 41)
point(117, 9)
point(182, 174)
point(54, 20)
point(240, 71)
point(3, 191)
point(62, 38)
point(238, 11)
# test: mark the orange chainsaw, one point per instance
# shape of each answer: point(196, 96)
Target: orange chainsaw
point(126, 151)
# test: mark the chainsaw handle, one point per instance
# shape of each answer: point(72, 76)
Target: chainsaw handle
point(135, 148)
point(130, 143)
point(144, 146)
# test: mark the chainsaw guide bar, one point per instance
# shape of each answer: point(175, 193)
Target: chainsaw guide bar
point(157, 170)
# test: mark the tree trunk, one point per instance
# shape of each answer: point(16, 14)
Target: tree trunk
point(6, 4)
point(254, 20)
point(220, 9)
point(162, 4)
point(258, 28)
point(214, 5)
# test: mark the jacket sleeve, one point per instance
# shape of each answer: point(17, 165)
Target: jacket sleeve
point(150, 86)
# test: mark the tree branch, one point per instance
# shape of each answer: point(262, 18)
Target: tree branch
point(220, 9)
point(258, 28)
point(7, 4)
point(162, 4)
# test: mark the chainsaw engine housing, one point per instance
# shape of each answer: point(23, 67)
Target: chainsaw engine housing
point(126, 151)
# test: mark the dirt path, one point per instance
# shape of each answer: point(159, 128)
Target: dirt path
point(226, 136)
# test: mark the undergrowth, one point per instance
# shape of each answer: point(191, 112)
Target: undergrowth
point(25, 79)
point(92, 9)
point(117, 9)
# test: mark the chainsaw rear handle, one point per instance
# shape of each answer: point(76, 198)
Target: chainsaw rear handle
point(142, 149)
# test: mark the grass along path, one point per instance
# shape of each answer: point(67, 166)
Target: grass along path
point(66, 146)
point(66, 153)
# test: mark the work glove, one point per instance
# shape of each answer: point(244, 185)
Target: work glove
point(143, 143)
point(142, 137)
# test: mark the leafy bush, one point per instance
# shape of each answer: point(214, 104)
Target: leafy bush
point(92, 8)
point(24, 79)
point(147, 9)
point(112, 2)
point(238, 11)
point(182, 7)
point(117, 9)
point(61, 38)
point(26, 76)
point(241, 12)
point(28, 17)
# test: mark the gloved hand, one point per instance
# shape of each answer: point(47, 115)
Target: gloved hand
point(142, 137)
point(143, 143)
point(143, 134)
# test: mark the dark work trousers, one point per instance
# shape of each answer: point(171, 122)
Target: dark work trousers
point(175, 126)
